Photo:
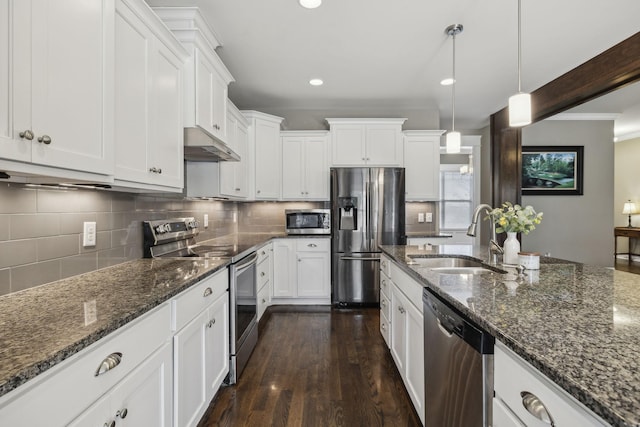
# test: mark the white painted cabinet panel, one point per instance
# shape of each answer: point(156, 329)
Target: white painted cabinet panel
point(305, 169)
point(313, 274)
point(284, 268)
point(366, 142)
point(234, 176)
point(422, 165)
point(265, 155)
point(148, 100)
point(61, 84)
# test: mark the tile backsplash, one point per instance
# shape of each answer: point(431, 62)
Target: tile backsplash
point(41, 229)
point(412, 209)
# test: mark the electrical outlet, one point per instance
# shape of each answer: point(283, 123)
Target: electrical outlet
point(420, 217)
point(429, 216)
point(89, 234)
point(206, 221)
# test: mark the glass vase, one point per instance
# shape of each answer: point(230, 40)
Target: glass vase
point(511, 248)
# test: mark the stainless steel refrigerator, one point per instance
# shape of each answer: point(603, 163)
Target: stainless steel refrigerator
point(367, 210)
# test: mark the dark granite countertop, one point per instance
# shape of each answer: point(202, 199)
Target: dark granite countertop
point(45, 325)
point(418, 235)
point(577, 324)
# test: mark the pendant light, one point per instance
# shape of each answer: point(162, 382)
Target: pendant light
point(520, 103)
point(453, 137)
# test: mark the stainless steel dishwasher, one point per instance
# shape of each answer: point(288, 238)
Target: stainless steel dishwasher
point(458, 371)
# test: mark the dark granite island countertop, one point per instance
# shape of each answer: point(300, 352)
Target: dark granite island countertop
point(577, 324)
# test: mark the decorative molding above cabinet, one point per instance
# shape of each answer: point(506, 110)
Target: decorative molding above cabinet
point(366, 142)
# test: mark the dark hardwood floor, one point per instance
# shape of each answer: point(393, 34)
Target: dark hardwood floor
point(316, 367)
point(624, 265)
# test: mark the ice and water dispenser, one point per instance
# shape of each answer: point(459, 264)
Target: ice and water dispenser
point(347, 213)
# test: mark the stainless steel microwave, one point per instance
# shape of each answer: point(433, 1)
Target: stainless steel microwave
point(308, 221)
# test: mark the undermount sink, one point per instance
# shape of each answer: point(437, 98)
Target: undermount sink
point(452, 265)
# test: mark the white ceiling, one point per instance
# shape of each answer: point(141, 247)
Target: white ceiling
point(386, 55)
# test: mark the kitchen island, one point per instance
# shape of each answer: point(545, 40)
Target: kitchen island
point(577, 324)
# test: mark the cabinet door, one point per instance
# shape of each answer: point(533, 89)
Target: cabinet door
point(313, 274)
point(166, 155)
point(217, 345)
point(211, 97)
point(414, 357)
point(190, 397)
point(18, 149)
point(132, 86)
point(348, 145)
point(284, 270)
point(316, 169)
point(267, 159)
point(293, 182)
point(384, 145)
point(71, 98)
point(398, 327)
point(422, 167)
point(242, 167)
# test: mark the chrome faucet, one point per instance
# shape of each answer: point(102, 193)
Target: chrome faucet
point(494, 247)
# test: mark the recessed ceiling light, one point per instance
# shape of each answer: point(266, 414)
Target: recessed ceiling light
point(310, 4)
point(447, 82)
point(316, 82)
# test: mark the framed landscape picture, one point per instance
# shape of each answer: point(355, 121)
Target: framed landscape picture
point(552, 170)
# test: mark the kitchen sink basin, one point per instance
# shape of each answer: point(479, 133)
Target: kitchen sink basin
point(452, 265)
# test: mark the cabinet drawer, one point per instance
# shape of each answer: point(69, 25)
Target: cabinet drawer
point(384, 328)
point(63, 392)
point(263, 300)
point(502, 415)
point(514, 376)
point(409, 286)
point(263, 272)
point(385, 265)
point(385, 285)
point(313, 245)
point(385, 305)
point(264, 253)
point(189, 303)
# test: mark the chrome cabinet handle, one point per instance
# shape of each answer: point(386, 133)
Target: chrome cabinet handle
point(401, 309)
point(383, 327)
point(216, 127)
point(263, 252)
point(535, 407)
point(257, 191)
point(110, 362)
point(45, 139)
point(27, 134)
point(262, 273)
point(155, 170)
point(237, 189)
point(122, 413)
point(264, 300)
point(207, 292)
point(211, 323)
point(383, 283)
point(382, 303)
point(312, 245)
point(111, 424)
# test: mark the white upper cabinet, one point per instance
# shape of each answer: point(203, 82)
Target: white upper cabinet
point(56, 102)
point(305, 169)
point(206, 77)
point(264, 154)
point(422, 165)
point(234, 181)
point(366, 142)
point(149, 64)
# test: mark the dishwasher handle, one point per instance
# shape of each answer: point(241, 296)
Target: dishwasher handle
point(245, 263)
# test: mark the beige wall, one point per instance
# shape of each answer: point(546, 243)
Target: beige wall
point(627, 185)
point(41, 230)
point(577, 228)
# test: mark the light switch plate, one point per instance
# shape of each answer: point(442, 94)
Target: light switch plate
point(420, 217)
point(89, 234)
point(206, 220)
point(429, 217)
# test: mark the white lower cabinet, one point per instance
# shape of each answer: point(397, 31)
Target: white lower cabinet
point(407, 332)
point(142, 399)
point(201, 348)
point(264, 279)
point(302, 270)
point(518, 386)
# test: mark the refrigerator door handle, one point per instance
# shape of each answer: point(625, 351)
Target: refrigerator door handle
point(353, 258)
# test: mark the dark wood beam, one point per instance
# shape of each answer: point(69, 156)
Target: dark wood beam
point(614, 68)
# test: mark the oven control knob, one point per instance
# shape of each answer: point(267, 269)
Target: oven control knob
point(163, 228)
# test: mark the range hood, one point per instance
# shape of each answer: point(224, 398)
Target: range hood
point(201, 146)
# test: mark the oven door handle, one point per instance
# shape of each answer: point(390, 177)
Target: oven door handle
point(353, 258)
point(246, 262)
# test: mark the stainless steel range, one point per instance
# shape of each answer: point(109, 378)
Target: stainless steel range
point(175, 238)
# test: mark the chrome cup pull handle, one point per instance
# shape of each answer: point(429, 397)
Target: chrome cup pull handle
point(109, 362)
point(535, 407)
point(45, 139)
point(27, 134)
point(207, 292)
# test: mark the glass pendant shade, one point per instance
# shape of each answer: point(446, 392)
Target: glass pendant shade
point(520, 109)
point(453, 142)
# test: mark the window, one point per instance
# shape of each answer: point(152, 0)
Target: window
point(456, 204)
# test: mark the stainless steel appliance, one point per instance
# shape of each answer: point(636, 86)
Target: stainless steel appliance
point(367, 210)
point(175, 238)
point(458, 367)
point(308, 221)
